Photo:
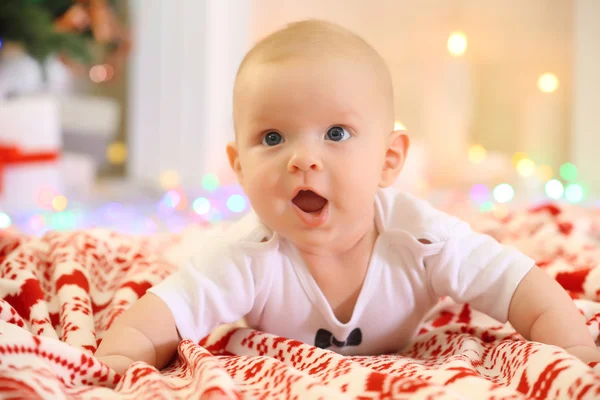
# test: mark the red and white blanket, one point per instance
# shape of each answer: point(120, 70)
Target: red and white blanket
point(60, 292)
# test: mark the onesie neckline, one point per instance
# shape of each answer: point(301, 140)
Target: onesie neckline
point(316, 294)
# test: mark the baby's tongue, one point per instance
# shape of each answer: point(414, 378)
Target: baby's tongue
point(308, 201)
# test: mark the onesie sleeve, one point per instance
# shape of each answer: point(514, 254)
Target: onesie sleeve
point(474, 268)
point(215, 286)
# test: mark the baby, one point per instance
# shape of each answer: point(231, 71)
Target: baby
point(331, 255)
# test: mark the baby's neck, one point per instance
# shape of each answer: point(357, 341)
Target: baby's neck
point(356, 255)
point(340, 276)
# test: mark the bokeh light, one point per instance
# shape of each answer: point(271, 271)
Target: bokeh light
point(568, 172)
point(169, 179)
point(504, 193)
point(236, 203)
point(486, 207)
point(479, 193)
point(116, 153)
point(477, 154)
point(525, 167)
point(457, 43)
point(171, 211)
point(59, 203)
point(518, 157)
point(37, 222)
point(201, 206)
point(63, 221)
point(98, 73)
point(5, 221)
point(574, 193)
point(210, 182)
point(500, 211)
point(554, 189)
point(399, 126)
point(102, 73)
point(544, 172)
point(547, 83)
point(183, 202)
point(215, 216)
point(172, 199)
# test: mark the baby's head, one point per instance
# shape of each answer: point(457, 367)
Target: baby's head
point(314, 118)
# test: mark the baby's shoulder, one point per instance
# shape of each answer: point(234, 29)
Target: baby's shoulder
point(241, 250)
point(400, 211)
point(231, 241)
point(248, 230)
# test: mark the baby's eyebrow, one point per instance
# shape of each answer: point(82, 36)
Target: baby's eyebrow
point(265, 122)
point(349, 115)
point(276, 121)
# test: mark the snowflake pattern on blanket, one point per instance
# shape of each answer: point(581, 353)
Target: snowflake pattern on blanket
point(59, 293)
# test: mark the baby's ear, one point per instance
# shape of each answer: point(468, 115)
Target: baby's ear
point(234, 160)
point(395, 155)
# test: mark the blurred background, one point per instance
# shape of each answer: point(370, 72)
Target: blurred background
point(116, 113)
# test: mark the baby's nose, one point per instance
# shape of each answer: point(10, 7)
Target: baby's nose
point(304, 160)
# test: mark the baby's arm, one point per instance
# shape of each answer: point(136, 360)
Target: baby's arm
point(542, 311)
point(145, 332)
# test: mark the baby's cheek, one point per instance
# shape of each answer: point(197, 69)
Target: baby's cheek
point(265, 194)
point(261, 180)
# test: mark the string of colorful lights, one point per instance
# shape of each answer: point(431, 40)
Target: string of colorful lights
point(556, 188)
point(137, 211)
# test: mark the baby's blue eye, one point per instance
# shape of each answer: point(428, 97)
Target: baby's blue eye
point(272, 139)
point(337, 134)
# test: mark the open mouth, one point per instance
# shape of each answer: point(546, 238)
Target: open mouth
point(309, 202)
point(311, 208)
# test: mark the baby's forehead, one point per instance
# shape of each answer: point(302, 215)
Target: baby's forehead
point(341, 82)
point(315, 70)
point(313, 43)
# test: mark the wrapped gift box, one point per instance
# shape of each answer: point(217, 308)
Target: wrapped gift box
point(51, 145)
point(30, 146)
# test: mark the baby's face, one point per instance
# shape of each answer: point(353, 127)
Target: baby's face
point(311, 140)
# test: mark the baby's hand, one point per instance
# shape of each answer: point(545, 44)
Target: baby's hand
point(118, 363)
point(585, 353)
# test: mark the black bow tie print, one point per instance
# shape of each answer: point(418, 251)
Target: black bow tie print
point(324, 339)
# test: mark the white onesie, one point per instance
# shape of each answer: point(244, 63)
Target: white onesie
point(250, 271)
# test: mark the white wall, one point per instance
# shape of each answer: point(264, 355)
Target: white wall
point(586, 91)
point(184, 60)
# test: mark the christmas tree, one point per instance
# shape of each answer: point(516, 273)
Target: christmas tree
point(71, 29)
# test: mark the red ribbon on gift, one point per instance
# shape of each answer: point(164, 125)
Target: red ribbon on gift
point(11, 155)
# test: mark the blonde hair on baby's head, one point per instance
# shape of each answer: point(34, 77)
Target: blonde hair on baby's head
point(317, 39)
